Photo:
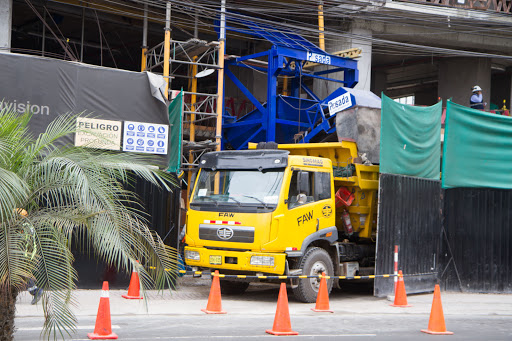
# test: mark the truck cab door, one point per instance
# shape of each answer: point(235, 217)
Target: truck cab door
point(309, 205)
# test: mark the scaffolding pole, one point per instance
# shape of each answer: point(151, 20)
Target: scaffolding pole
point(167, 47)
point(220, 82)
point(321, 37)
point(144, 39)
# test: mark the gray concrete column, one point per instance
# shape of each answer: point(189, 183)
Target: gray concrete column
point(5, 25)
point(379, 82)
point(361, 33)
point(458, 75)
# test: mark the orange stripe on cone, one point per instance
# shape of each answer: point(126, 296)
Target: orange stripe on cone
point(322, 299)
point(282, 324)
point(134, 288)
point(103, 327)
point(400, 295)
point(436, 323)
point(214, 301)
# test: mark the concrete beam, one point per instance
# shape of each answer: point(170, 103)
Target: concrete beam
point(450, 12)
point(5, 25)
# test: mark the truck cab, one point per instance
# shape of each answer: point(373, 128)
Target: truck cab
point(265, 212)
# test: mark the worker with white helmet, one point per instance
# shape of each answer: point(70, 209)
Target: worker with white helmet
point(477, 99)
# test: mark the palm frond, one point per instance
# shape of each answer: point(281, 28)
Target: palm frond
point(72, 195)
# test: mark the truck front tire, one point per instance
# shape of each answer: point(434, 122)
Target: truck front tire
point(315, 261)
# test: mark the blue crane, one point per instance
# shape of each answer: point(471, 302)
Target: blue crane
point(281, 117)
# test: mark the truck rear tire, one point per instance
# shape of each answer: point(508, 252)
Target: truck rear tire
point(315, 261)
point(233, 287)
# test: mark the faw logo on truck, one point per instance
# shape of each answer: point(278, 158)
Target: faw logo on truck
point(304, 218)
point(225, 233)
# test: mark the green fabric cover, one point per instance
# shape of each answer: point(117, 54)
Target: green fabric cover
point(477, 149)
point(410, 139)
point(175, 118)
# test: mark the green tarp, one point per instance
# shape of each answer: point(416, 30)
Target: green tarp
point(410, 139)
point(175, 117)
point(477, 149)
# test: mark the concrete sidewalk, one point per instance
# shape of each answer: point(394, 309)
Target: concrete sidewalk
point(192, 296)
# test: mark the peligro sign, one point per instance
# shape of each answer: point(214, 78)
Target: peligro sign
point(340, 103)
point(95, 133)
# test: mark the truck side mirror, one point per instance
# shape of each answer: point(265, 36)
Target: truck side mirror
point(303, 182)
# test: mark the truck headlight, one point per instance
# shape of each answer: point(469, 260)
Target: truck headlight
point(262, 260)
point(192, 255)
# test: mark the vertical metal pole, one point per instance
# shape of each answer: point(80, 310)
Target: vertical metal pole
point(395, 265)
point(192, 123)
point(272, 95)
point(195, 26)
point(167, 47)
point(83, 35)
point(144, 39)
point(44, 34)
point(220, 81)
point(321, 40)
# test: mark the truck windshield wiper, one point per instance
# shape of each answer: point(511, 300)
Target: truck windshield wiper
point(249, 196)
point(238, 202)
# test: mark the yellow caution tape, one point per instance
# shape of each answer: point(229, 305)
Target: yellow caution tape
point(200, 273)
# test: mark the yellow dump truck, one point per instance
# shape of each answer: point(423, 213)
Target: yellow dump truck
point(291, 209)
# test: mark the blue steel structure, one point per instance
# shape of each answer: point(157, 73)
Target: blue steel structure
point(281, 117)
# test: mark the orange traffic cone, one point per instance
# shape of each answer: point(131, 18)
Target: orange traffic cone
point(322, 299)
point(282, 325)
point(400, 295)
point(436, 324)
point(214, 302)
point(134, 288)
point(103, 327)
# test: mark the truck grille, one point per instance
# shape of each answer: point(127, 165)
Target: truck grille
point(225, 233)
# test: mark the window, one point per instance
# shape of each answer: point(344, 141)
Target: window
point(322, 186)
point(405, 100)
point(238, 187)
point(317, 187)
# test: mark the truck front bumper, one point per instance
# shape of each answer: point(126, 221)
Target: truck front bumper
point(236, 260)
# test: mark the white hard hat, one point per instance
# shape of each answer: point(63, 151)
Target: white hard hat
point(477, 88)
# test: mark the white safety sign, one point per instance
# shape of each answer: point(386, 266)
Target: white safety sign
point(95, 133)
point(142, 137)
point(340, 103)
point(318, 58)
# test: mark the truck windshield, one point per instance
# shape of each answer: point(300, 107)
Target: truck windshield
point(234, 187)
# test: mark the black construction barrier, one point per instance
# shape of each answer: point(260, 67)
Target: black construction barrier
point(410, 217)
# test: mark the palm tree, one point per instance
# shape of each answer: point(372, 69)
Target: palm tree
point(53, 196)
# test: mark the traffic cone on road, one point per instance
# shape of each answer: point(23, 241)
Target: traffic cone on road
point(436, 323)
point(322, 299)
point(400, 294)
point(103, 327)
point(282, 324)
point(134, 288)
point(214, 305)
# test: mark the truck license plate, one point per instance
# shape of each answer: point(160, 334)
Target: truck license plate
point(217, 260)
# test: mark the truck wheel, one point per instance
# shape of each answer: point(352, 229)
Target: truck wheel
point(315, 261)
point(233, 287)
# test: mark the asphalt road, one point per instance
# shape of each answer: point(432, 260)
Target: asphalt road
point(325, 327)
point(357, 315)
